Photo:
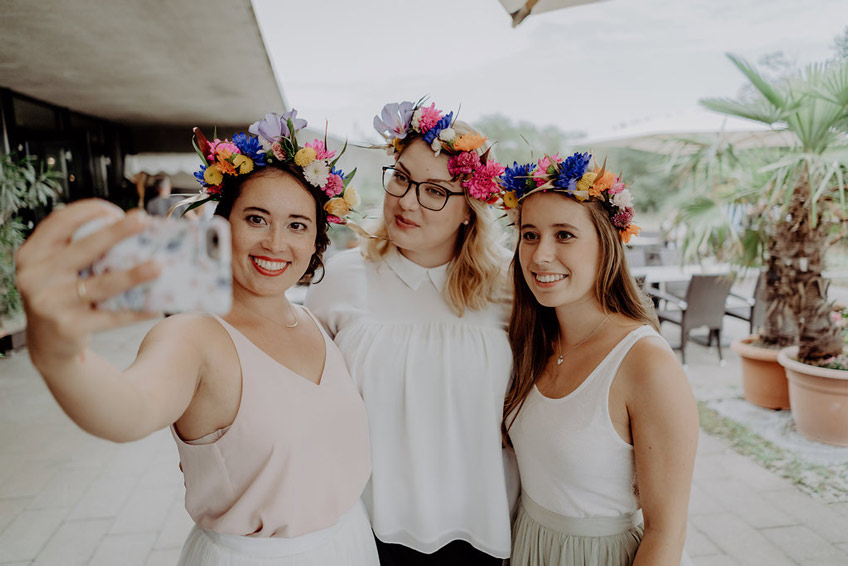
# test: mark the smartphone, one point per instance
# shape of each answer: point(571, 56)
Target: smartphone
point(194, 255)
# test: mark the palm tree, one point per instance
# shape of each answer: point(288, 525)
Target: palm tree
point(794, 198)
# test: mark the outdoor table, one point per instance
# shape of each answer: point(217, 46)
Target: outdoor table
point(676, 273)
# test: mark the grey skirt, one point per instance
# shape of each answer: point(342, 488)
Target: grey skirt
point(543, 538)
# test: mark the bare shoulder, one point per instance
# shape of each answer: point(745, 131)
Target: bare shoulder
point(199, 333)
point(651, 370)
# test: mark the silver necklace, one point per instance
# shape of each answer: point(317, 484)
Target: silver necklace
point(559, 342)
point(266, 317)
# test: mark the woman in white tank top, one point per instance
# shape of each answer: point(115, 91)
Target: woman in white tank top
point(600, 413)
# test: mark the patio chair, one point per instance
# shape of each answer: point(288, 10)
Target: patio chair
point(753, 308)
point(703, 306)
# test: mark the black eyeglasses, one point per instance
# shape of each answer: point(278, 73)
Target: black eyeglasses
point(430, 195)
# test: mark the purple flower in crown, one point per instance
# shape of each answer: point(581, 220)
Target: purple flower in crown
point(571, 169)
point(393, 121)
point(273, 127)
point(297, 123)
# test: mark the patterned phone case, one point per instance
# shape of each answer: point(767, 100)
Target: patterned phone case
point(195, 259)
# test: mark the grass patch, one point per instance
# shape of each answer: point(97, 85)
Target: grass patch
point(829, 484)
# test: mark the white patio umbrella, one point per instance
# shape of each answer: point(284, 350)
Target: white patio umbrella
point(520, 9)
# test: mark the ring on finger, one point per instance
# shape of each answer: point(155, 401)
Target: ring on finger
point(82, 292)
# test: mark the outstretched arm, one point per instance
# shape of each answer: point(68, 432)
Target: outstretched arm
point(99, 397)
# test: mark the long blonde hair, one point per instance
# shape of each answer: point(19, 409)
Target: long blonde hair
point(534, 329)
point(477, 275)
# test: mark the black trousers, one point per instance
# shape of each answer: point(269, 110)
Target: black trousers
point(455, 553)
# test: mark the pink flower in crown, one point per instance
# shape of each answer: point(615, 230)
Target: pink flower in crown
point(616, 187)
point(321, 150)
point(428, 118)
point(463, 163)
point(334, 185)
point(623, 218)
point(482, 184)
point(541, 173)
point(222, 149)
point(278, 150)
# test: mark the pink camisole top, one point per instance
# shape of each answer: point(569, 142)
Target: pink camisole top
point(295, 459)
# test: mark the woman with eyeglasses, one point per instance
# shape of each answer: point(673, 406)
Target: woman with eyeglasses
point(420, 315)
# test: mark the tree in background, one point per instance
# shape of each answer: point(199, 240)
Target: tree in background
point(795, 197)
point(523, 141)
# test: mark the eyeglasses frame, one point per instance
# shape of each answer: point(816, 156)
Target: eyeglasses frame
point(417, 186)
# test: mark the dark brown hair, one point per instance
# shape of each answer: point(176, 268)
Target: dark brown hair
point(534, 329)
point(232, 189)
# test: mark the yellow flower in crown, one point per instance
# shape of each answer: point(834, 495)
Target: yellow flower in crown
point(337, 206)
point(510, 200)
point(242, 164)
point(304, 156)
point(351, 197)
point(213, 175)
point(585, 182)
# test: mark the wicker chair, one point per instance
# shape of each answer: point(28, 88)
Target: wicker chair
point(703, 305)
point(753, 308)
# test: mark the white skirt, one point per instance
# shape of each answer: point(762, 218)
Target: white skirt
point(350, 542)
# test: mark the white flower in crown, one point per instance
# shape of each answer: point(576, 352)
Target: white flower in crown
point(416, 120)
point(436, 145)
point(317, 173)
point(623, 199)
point(447, 135)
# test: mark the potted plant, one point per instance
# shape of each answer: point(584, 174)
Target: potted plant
point(798, 195)
point(24, 185)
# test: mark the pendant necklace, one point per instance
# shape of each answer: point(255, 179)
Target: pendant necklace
point(559, 342)
point(291, 310)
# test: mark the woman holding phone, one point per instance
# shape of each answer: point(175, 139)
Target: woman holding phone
point(272, 434)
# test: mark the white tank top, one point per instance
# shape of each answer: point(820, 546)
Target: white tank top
point(570, 457)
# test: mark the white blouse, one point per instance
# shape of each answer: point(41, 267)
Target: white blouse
point(434, 386)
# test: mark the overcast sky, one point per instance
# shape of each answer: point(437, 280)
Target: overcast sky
point(604, 68)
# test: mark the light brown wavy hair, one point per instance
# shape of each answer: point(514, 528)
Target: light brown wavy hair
point(477, 276)
point(534, 329)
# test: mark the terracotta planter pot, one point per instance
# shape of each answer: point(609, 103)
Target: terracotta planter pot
point(763, 378)
point(819, 398)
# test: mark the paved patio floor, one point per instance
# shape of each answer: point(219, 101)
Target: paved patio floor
point(67, 498)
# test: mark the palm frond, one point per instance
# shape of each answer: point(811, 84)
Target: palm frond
point(759, 82)
point(758, 110)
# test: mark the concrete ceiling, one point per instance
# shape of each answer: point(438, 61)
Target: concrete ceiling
point(152, 62)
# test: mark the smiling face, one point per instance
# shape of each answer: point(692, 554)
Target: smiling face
point(427, 237)
point(273, 227)
point(558, 250)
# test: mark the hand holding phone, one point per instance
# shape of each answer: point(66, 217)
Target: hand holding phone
point(194, 256)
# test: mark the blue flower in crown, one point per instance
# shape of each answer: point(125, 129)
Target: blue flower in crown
point(517, 179)
point(570, 171)
point(445, 122)
point(250, 146)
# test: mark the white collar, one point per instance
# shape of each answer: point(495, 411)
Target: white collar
point(413, 274)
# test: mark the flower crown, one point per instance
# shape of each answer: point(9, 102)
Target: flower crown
point(400, 123)
point(572, 177)
point(274, 140)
